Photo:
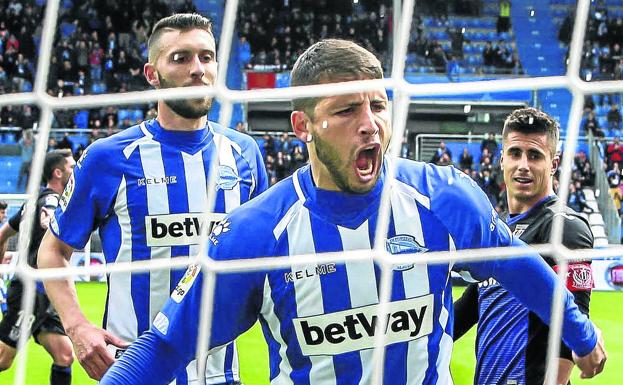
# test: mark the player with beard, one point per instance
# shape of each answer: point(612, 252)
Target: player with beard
point(320, 319)
point(512, 342)
point(45, 324)
point(146, 189)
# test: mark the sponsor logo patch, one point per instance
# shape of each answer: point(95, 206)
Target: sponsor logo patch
point(354, 329)
point(220, 228)
point(404, 244)
point(520, 229)
point(162, 180)
point(184, 284)
point(310, 271)
point(178, 229)
point(68, 192)
point(227, 178)
point(579, 276)
point(161, 323)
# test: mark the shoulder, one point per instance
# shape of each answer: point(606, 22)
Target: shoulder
point(252, 229)
point(244, 141)
point(577, 231)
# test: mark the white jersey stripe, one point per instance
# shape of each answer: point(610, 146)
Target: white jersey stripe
point(309, 291)
point(157, 204)
point(407, 222)
point(268, 312)
point(226, 159)
point(196, 187)
point(121, 318)
point(361, 284)
point(446, 344)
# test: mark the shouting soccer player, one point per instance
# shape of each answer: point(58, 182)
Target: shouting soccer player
point(511, 340)
point(319, 320)
point(45, 324)
point(146, 190)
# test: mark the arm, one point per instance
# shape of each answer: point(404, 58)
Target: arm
point(6, 232)
point(89, 341)
point(479, 226)
point(466, 311)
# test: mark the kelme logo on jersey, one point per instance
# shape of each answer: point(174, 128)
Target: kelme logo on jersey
point(404, 244)
point(178, 229)
point(227, 178)
point(354, 329)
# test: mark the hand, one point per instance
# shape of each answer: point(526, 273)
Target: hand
point(90, 346)
point(593, 363)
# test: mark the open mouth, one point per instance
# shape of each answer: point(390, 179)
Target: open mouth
point(366, 161)
point(522, 180)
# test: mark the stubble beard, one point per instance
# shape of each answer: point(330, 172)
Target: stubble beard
point(332, 161)
point(187, 108)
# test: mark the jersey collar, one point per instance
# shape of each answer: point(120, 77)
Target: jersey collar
point(340, 208)
point(187, 141)
point(512, 220)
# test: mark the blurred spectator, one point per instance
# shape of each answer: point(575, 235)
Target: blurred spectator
point(614, 184)
point(489, 186)
point(614, 153)
point(445, 160)
point(441, 150)
point(591, 125)
point(614, 119)
point(490, 144)
point(27, 146)
point(577, 198)
point(466, 160)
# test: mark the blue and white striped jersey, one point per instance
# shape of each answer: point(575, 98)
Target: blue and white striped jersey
point(319, 319)
point(146, 189)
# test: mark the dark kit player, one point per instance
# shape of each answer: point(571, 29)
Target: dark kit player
point(511, 344)
point(45, 323)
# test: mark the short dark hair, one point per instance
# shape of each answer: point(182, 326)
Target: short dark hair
point(532, 121)
point(179, 22)
point(53, 160)
point(332, 60)
point(3, 205)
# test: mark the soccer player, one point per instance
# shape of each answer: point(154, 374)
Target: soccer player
point(319, 320)
point(145, 189)
point(45, 325)
point(511, 342)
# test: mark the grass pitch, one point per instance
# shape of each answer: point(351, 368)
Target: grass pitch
point(605, 311)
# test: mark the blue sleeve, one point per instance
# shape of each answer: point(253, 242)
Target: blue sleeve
point(148, 361)
point(87, 197)
point(473, 223)
point(260, 169)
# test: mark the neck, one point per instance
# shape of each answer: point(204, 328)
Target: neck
point(520, 206)
point(171, 121)
point(56, 186)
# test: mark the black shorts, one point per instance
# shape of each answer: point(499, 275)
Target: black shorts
point(44, 317)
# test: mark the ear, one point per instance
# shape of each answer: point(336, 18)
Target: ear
point(57, 173)
point(555, 164)
point(149, 70)
point(298, 120)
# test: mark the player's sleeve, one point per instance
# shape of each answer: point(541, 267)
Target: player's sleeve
point(87, 197)
point(473, 223)
point(260, 170)
point(466, 311)
point(577, 235)
point(15, 220)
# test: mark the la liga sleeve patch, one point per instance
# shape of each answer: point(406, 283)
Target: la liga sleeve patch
point(579, 276)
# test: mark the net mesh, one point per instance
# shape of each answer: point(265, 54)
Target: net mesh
point(402, 92)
